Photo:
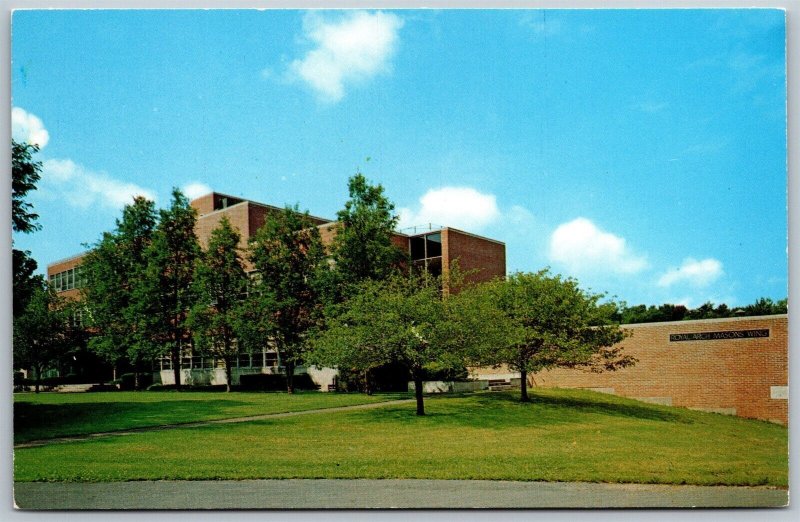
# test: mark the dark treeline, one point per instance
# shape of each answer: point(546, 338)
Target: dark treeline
point(671, 312)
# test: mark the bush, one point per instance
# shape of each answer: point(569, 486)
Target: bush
point(272, 382)
point(127, 381)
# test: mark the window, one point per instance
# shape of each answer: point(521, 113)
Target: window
point(433, 245)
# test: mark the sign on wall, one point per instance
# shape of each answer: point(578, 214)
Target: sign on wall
point(714, 336)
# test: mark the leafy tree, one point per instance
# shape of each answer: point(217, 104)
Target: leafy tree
point(41, 333)
point(362, 248)
point(167, 293)
point(220, 285)
point(765, 306)
point(403, 319)
point(555, 324)
point(285, 304)
point(114, 272)
point(25, 173)
point(25, 279)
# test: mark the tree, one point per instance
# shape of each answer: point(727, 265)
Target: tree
point(41, 332)
point(402, 319)
point(554, 324)
point(25, 173)
point(285, 304)
point(167, 293)
point(114, 272)
point(363, 248)
point(220, 285)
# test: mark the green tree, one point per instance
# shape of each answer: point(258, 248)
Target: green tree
point(555, 324)
point(220, 285)
point(41, 333)
point(167, 294)
point(285, 305)
point(765, 306)
point(403, 319)
point(25, 173)
point(114, 272)
point(363, 248)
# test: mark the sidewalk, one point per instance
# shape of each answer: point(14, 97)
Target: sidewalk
point(355, 494)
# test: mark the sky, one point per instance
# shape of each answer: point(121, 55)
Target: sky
point(642, 152)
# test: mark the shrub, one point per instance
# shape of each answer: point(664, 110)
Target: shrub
point(272, 382)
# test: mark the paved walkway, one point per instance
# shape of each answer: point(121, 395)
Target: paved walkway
point(234, 420)
point(356, 494)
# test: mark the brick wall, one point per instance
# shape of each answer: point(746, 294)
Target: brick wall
point(742, 377)
point(486, 256)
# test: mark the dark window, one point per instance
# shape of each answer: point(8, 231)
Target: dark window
point(434, 245)
point(417, 247)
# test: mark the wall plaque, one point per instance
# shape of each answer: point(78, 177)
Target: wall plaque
point(714, 336)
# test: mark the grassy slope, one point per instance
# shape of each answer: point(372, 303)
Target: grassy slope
point(48, 415)
point(565, 435)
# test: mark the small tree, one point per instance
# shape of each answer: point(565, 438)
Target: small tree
point(553, 324)
point(402, 319)
point(114, 272)
point(167, 294)
point(41, 333)
point(363, 248)
point(285, 304)
point(220, 285)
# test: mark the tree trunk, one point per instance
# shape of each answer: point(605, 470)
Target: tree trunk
point(176, 365)
point(228, 377)
point(38, 378)
point(367, 383)
point(418, 393)
point(523, 386)
point(289, 377)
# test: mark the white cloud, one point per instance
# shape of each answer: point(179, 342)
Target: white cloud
point(28, 128)
point(694, 272)
point(84, 188)
point(460, 207)
point(195, 190)
point(582, 247)
point(351, 49)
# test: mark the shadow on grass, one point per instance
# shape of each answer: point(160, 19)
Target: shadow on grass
point(504, 410)
point(42, 421)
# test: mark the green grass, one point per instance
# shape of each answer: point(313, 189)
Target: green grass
point(565, 435)
point(49, 415)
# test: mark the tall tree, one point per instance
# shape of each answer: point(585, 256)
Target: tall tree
point(220, 285)
point(362, 248)
point(404, 319)
point(285, 304)
point(114, 272)
point(168, 294)
point(41, 333)
point(25, 173)
point(554, 324)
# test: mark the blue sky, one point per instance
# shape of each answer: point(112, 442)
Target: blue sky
point(641, 151)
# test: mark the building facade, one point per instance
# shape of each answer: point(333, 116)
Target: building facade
point(735, 366)
point(434, 248)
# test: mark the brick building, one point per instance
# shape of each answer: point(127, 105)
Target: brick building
point(736, 366)
point(435, 249)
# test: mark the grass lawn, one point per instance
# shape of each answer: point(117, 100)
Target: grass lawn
point(564, 435)
point(48, 415)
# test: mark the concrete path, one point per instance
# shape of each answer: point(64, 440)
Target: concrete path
point(355, 494)
point(234, 420)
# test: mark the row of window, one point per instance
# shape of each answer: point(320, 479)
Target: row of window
point(256, 360)
point(67, 280)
